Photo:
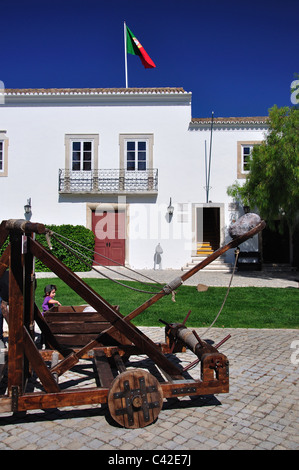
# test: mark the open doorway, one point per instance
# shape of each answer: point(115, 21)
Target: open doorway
point(208, 229)
point(211, 226)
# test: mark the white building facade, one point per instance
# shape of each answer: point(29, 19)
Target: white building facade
point(130, 164)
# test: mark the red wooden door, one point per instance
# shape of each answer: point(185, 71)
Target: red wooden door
point(109, 230)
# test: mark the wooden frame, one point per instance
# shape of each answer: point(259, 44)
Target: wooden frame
point(138, 394)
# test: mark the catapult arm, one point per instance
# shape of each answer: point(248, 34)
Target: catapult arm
point(240, 233)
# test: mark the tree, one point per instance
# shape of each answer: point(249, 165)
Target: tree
point(272, 185)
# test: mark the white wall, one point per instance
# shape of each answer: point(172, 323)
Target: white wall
point(37, 150)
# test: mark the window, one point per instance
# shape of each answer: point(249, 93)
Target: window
point(81, 155)
point(136, 152)
point(3, 154)
point(136, 155)
point(81, 152)
point(244, 150)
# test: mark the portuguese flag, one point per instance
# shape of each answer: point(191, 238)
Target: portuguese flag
point(134, 47)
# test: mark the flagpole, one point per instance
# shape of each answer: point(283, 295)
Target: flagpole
point(126, 64)
point(210, 157)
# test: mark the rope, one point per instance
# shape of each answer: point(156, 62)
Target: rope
point(80, 255)
point(109, 259)
point(227, 292)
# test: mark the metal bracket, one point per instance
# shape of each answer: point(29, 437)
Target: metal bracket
point(183, 390)
point(14, 398)
point(136, 399)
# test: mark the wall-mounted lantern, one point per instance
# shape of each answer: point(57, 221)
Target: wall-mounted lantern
point(27, 208)
point(170, 208)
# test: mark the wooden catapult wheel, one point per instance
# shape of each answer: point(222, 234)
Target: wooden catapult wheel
point(103, 335)
point(135, 398)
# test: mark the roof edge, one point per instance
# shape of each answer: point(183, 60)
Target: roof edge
point(231, 120)
point(93, 91)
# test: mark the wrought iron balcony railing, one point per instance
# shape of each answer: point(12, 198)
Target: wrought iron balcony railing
point(108, 181)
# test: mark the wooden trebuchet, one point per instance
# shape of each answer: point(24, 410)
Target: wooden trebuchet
point(105, 337)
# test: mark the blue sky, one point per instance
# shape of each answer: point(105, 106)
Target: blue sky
point(238, 58)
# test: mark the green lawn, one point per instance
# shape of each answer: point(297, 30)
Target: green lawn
point(245, 307)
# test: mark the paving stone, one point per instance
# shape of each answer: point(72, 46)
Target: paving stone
point(259, 412)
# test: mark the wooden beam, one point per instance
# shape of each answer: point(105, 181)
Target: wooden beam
point(232, 244)
point(46, 331)
point(87, 396)
point(16, 316)
point(29, 289)
point(5, 404)
point(103, 368)
point(119, 362)
point(145, 345)
point(4, 260)
point(3, 232)
point(194, 387)
point(38, 364)
point(24, 226)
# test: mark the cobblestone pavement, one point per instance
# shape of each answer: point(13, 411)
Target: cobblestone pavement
point(259, 412)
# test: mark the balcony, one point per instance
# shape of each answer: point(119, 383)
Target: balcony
point(114, 181)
